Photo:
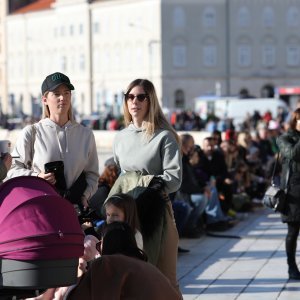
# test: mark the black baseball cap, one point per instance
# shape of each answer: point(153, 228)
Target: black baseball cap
point(54, 80)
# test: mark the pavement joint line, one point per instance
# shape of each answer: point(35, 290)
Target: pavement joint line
point(254, 277)
point(232, 263)
point(226, 269)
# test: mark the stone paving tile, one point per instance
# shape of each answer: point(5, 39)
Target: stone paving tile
point(247, 262)
point(291, 291)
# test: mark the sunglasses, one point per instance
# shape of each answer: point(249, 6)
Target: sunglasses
point(140, 97)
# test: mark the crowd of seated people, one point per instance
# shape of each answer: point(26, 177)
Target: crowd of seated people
point(224, 176)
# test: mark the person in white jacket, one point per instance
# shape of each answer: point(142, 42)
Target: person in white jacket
point(57, 137)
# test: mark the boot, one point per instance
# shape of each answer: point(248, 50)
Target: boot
point(294, 272)
point(293, 268)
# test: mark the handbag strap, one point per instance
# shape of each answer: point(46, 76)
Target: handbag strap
point(274, 168)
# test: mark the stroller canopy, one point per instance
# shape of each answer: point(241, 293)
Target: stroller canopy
point(36, 222)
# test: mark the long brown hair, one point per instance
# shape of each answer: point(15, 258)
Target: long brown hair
point(127, 204)
point(295, 118)
point(155, 118)
point(109, 175)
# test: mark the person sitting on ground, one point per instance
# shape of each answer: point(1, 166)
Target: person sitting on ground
point(122, 271)
point(191, 191)
point(215, 219)
point(106, 181)
point(212, 162)
point(181, 211)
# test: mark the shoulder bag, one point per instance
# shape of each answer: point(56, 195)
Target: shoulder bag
point(275, 197)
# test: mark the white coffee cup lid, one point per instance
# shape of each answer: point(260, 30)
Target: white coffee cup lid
point(5, 146)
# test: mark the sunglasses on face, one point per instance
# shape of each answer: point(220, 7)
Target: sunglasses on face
point(140, 97)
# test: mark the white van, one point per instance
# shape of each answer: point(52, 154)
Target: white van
point(237, 109)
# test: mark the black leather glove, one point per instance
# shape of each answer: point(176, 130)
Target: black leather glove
point(157, 184)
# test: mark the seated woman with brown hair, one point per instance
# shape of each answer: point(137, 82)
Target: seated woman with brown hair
point(105, 182)
point(122, 271)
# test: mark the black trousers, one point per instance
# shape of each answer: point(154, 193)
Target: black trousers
point(291, 242)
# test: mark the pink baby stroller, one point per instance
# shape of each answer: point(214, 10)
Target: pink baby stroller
point(40, 238)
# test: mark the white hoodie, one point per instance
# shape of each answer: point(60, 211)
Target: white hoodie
point(73, 143)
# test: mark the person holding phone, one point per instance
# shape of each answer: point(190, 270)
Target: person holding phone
point(57, 137)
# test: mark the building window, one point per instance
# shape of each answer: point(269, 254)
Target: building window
point(139, 56)
point(209, 17)
point(179, 56)
point(71, 30)
point(127, 56)
point(179, 99)
point(82, 102)
point(62, 30)
point(292, 17)
point(209, 56)
point(117, 57)
point(72, 63)
point(179, 18)
point(268, 17)
point(243, 17)
point(96, 27)
point(268, 55)
point(81, 62)
point(81, 29)
point(63, 63)
point(293, 55)
point(244, 56)
point(106, 58)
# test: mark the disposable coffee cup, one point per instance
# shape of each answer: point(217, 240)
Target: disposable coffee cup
point(5, 147)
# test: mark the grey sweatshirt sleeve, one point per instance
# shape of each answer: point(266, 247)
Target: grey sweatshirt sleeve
point(171, 164)
point(91, 169)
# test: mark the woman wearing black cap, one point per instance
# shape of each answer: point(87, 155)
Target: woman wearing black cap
point(57, 137)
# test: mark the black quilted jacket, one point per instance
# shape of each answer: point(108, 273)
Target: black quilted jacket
point(289, 145)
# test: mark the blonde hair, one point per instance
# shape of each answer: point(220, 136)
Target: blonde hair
point(155, 118)
point(46, 111)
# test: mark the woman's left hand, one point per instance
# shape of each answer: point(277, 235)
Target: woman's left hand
point(50, 177)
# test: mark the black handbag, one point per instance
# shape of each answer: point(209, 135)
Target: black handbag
point(275, 197)
point(75, 192)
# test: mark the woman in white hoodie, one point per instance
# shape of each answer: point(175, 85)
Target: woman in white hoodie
point(57, 137)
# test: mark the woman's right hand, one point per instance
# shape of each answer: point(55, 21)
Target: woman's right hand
point(48, 177)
